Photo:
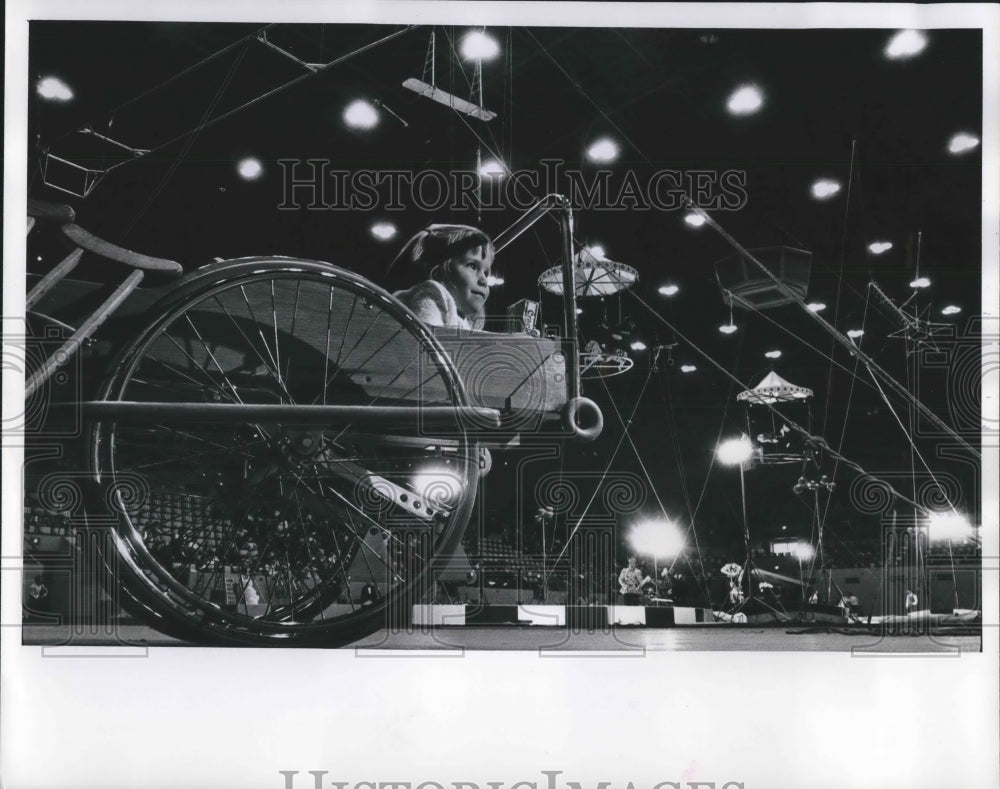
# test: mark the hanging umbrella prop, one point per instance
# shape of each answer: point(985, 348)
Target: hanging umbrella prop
point(775, 441)
point(595, 276)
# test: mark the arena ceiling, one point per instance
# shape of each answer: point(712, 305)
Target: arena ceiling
point(834, 107)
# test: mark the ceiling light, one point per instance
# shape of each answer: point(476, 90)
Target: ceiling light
point(383, 231)
point(491, 168)
point(688, 368)
point(638, 345)
point(920, 282)
point(855, 333)
point(745, 100)
point(905, 44)
point(54, 89)
point(815, 306)
point(825, 188)
point(962, 142)
point(878, 247)
point(694, 219)
point(669, 290)
point(951, 309)
point(361, 114)
point(249, 169)
point(773, 354)
point(604, 150)
point(728, 328)
point(476, 45)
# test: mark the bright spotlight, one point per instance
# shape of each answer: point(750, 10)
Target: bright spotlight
point(948, 527)
point(383, 231)
point(951, 309)
point(476, 45)
point(638, 345)
point(815, 306)
point(437, 484)
point(855, 333)
point(905, 44)
point(491, 168)
point(803, 551)
point(920, 282)
point(659, 538)
point(824, 189)
point(604, 150)
point(54, 89)
point(694, 219)
point(669, 290)
point(728, 328)
point(494, 281)
point(249, 169)
point(688, 368)
point(962, 142)
point(361, 114)
point(734, 451)
point(773, 354)
point(596, 251)
point(878, 247)
point(745, 100)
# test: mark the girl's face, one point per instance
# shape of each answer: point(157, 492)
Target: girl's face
point(466, 279)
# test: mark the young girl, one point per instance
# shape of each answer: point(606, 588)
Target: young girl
point(454, 262)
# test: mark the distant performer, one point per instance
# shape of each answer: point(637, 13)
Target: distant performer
point(911, 601)
point(631, 582)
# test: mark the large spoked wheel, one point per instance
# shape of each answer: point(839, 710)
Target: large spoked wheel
point(268, 531)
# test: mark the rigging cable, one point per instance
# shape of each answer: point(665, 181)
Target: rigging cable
point(832, 330)
point(840, 279)
point(843, 429)
point(188, 143)
point(638, 456)
point(815, 440)
point(607, 468)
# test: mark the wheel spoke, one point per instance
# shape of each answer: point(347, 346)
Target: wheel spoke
point(257, 507)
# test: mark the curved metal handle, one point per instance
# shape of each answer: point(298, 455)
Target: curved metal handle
point(583, 418)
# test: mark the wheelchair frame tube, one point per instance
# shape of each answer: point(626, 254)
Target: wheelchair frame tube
point(321, 415)
point(569, 342)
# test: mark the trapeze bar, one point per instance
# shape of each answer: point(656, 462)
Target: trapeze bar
point(448, 99)
point(425, 417)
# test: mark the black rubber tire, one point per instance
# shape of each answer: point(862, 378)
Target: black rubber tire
point(155, 582)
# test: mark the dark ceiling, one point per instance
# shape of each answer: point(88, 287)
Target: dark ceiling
point(834, 107)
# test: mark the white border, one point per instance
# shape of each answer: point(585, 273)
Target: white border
point(199, 717)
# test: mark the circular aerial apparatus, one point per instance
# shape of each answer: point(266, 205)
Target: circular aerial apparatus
point(598, 363)
point(774, 389)
point(594, 276)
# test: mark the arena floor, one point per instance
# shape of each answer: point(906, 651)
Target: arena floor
point(619, 640)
